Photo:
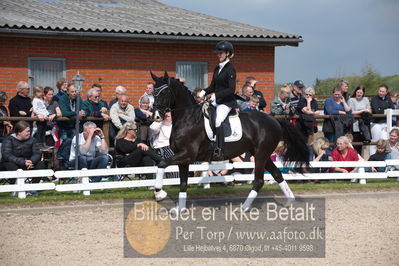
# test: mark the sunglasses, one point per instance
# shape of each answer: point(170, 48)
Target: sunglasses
point(309, 94)
point(135, 129)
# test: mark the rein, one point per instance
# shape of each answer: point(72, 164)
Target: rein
point(172, 95)
point(157, 92)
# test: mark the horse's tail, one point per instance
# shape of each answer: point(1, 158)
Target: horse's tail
point(296, 149)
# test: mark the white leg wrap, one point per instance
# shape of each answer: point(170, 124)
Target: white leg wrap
point(286, 190)
point(159, 178)
point(248, 202)
point(182, 200)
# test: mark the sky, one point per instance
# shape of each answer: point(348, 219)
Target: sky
point(340, 37)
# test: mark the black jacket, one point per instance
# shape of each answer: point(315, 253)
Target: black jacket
point(20, 103)
point(262, 101)
point(224, 85)
point(378, 105)
point(16, 151)
point(3, 113)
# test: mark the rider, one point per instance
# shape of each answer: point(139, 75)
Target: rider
point(223, 86)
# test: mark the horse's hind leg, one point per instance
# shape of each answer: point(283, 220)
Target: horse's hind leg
point(275, 172)
point(183, 172)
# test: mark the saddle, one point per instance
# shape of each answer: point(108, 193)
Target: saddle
point(211, 115)
point(231, 125)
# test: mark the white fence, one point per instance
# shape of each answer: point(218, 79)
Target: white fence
point(85, 186)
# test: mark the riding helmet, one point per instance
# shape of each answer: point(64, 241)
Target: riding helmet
point(224, 46)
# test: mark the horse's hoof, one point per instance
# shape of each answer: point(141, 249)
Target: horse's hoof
point(160, 195)
point(288, 202)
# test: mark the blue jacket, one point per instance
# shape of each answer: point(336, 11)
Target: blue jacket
point(332, 108)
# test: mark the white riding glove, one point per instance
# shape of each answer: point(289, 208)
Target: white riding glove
point(213, 98)
point(201, 94)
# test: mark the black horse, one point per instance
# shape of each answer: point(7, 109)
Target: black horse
point(261, 134)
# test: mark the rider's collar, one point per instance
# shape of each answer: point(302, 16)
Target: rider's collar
point(221, 65)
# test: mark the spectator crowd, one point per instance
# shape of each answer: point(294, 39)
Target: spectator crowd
point(139, 140)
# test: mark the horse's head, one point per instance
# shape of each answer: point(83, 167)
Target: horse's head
point(162, 94)
point(170, 93)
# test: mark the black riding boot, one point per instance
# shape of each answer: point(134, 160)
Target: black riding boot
point(218, 152)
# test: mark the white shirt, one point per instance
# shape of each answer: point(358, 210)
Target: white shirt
point(161, 133)
point(39, 107)
point(96, 143)
point(221, 65)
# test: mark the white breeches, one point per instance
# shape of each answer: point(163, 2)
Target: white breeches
point(221, 113)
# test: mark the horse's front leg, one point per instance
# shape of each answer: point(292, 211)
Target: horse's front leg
point(160, 194)
point(179, 159)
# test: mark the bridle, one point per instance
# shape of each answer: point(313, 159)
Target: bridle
point(158, 91)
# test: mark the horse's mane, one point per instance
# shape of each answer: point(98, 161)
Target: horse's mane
point(196, 107)
point(178, 83)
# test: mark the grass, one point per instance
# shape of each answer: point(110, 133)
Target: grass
point(197, 191)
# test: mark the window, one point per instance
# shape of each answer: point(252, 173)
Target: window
point(44, 71)
point(195, 73)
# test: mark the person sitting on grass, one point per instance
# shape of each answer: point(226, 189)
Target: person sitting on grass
point(381, 155)
point(321, 153)
point(278, 156)
point(320, 149)
point(343, 152)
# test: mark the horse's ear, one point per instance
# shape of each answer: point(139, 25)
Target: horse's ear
point(166, 75)
point(155, 78)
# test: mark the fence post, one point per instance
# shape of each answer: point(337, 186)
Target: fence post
point(85, 180)
point(362, 180)
point(388, 112)
point(205, 185)
point(105, 129)
point(21, 181)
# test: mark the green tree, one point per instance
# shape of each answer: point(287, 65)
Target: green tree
point(369, 78)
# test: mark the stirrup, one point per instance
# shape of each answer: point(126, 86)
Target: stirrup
point(218, 154)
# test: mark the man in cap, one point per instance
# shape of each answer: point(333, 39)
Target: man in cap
point(296, 94)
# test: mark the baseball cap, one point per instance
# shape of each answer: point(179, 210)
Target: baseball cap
point(299, 84)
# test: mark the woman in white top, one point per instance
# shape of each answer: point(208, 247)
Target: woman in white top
point(360, 105)
point(159, 137)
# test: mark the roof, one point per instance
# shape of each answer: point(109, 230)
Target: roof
point(127, 18)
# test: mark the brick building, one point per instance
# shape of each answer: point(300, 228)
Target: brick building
point(118, 42)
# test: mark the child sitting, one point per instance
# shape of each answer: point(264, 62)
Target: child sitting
point(381, 155)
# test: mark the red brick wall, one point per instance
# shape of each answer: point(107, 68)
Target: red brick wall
point(127, 63)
